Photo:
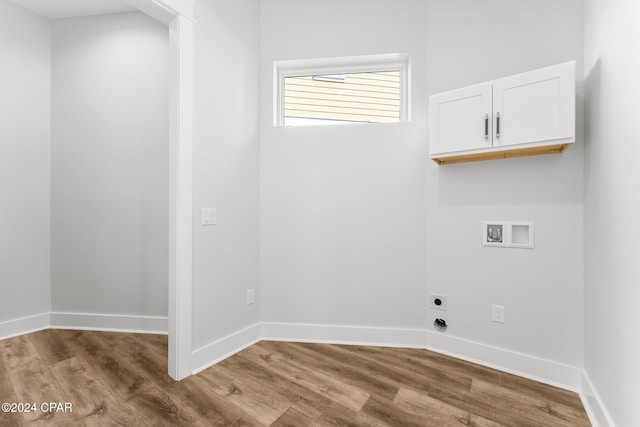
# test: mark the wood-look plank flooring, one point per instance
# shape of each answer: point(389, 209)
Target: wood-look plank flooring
point(119, 379)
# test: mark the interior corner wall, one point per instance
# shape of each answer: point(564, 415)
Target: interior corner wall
point(343, 207)
point(612, 203)
point(350, 215)
point(225, 168)
point(110, 166)
point(25, 48)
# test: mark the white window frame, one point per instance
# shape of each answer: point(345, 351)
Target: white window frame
point(342, 65)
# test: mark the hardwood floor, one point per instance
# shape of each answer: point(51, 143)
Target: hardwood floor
point(120, 379)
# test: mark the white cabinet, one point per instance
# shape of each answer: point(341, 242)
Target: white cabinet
point(525, 114)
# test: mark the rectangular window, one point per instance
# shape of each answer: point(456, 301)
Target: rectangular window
point(370, 89)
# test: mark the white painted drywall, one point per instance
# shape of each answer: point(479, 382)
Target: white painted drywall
point(542, 289)
point(612, 203)
point(343, 207)
point(110, 149)
point(25, 48)
point(351, 215)
point(69, 8)
point(225, 170)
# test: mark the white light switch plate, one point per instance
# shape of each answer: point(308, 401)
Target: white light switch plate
point(209, 216)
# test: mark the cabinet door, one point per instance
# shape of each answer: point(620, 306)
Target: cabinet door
point(535, 106)
point(460, 119)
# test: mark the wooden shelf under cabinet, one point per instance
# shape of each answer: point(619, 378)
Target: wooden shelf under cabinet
point(501, 154)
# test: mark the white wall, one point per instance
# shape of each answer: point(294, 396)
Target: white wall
point(25, 46)
point(343, 207)
point(110, 83)
point(471, 42)
point(225, 176)
point(612, 203)
point(349, 218)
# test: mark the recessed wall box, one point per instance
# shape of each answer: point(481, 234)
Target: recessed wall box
point(494, 233)
point(521, 234)
point(508, 234)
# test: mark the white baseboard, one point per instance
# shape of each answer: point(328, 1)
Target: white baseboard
point(215, 352)
point(24, 325)
point(538, 369)
point(110, 322)
point(335, 334)
point(521, 364)
point(593, 404)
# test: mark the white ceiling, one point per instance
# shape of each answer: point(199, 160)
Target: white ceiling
point(67, 8)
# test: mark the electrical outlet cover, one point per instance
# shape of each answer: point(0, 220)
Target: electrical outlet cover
point(433, 300)
point(498, 313)
point(209, 216)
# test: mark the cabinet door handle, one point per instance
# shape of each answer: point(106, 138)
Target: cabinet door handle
point(497, 125)
point(486, 127)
